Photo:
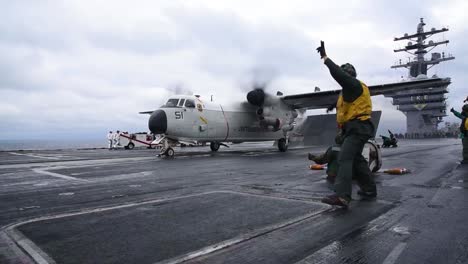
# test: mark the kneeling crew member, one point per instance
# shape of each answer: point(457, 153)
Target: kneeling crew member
point(330, 157)
point(353, 113)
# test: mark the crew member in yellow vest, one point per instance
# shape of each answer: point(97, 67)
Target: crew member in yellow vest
point(354, 108)
point(463, 130)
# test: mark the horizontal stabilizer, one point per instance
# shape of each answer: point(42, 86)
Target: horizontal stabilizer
point(146, 112)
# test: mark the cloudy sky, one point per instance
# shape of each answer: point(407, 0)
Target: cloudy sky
point(79, 68)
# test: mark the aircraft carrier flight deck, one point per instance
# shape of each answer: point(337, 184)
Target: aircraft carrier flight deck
point(248, 203)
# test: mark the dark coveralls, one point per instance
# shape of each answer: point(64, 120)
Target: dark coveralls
point(465, 141)
point(356, 133)
point(330, 157)
point(463, 132)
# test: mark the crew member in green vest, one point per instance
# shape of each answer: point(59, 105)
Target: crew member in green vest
point(463, 130)
point(353, 113)
point(330, 157)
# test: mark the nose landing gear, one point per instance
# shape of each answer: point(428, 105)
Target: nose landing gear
point(166, 150)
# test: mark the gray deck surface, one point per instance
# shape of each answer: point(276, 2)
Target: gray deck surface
point(246, 204)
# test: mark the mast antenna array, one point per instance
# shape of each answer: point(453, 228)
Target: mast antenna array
point(418, 46)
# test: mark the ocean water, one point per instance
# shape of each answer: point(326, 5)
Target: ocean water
point(31, 144)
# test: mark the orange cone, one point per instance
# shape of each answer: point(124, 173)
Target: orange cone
point(397, 171)
point(317, 167)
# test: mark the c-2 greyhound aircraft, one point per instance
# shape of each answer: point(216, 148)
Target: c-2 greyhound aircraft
point(263, 117)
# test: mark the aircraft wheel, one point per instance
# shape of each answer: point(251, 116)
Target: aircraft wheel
point(169, 152)
point(282, 146)
point(130, 146)
point(214, 146)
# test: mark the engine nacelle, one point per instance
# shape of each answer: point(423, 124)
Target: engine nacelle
point(260, 112)
point(256, 97)
point(265, 111)
point(270, 121)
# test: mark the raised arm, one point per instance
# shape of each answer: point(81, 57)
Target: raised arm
point(352, 88)
point(457, 114)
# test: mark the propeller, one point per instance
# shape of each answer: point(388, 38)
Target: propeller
point(258, 84)
point(256, 97)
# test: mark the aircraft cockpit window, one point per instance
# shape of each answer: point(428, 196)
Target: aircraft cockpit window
point(181, 102)
point(171, 103)
point(189, 103)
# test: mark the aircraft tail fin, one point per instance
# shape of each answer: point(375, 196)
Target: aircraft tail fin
point(324, 134)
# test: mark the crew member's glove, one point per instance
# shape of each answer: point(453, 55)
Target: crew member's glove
point(321, 49)
point(451, 110)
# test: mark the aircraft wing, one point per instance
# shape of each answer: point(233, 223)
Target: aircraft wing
point(324, 99)
point(315, 100)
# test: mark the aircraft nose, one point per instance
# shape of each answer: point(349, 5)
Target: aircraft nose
point(157, 122)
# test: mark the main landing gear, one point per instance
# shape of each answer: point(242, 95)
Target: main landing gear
point(283, 144)
point(214, 146)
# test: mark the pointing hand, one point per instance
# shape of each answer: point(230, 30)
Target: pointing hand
point(321, 49)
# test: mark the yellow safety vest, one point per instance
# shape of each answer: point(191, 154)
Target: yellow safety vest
point(361, 108)
point(464, 127)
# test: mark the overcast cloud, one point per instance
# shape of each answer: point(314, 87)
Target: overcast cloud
point(80, 68)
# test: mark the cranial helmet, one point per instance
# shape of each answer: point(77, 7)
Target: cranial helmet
point(349, 69)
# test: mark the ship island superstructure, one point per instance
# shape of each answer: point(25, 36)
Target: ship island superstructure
point(424, 108)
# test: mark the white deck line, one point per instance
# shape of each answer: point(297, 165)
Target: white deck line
point(75, 163)
point(41, 257)
point(395, 253)
point(239, 239)
point(58, 175)
point(34, 156)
